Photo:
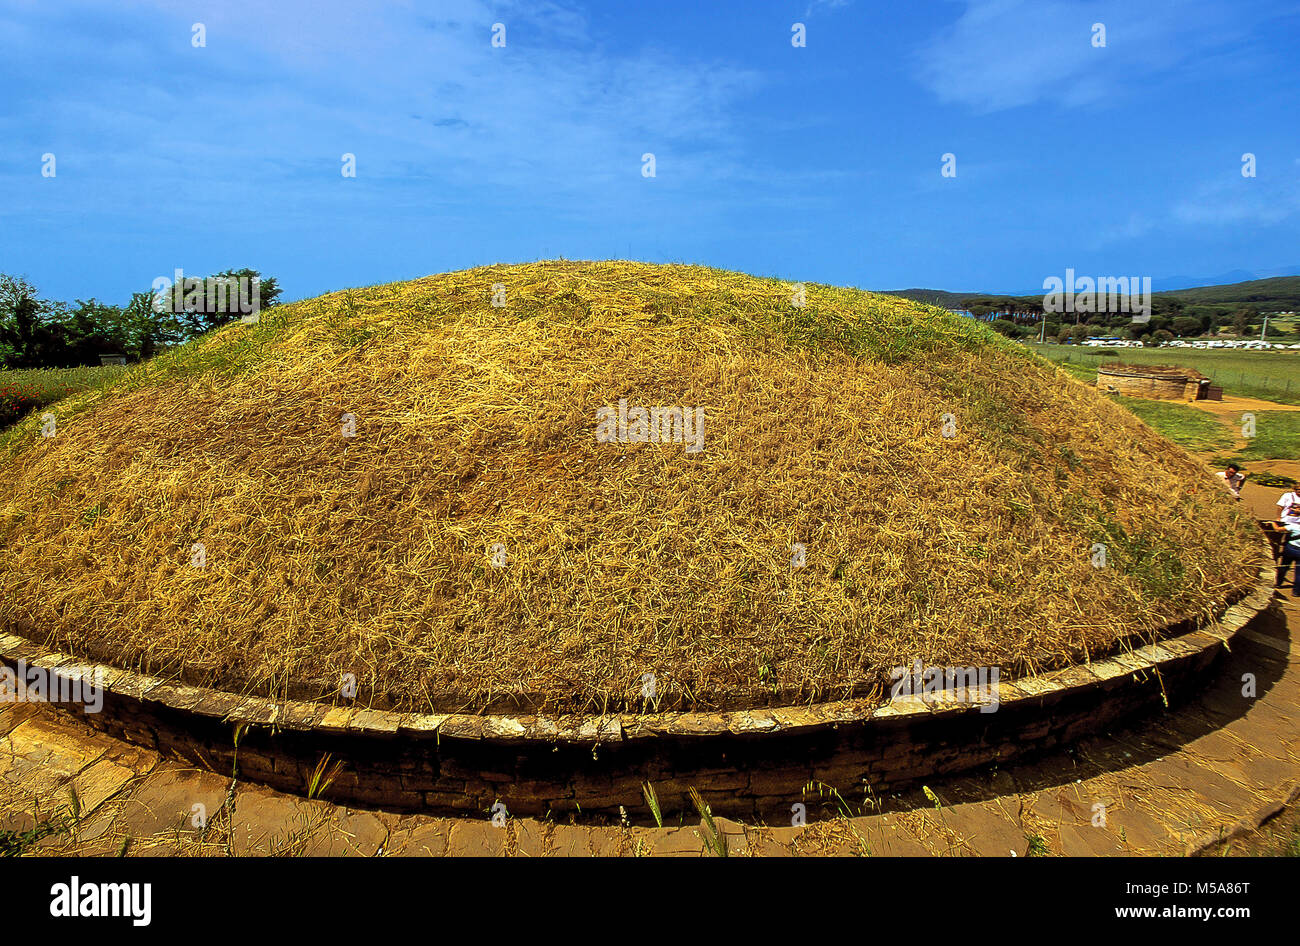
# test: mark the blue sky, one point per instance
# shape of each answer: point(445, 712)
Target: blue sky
point(819, 163)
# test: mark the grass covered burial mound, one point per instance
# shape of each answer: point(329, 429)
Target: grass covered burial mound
point(463, 504)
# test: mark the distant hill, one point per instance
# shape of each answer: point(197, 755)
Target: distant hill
point(1281, 293)
point(939, 297)
point(1224, 279)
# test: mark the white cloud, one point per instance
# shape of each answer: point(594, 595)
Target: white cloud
point(416, 92)
point(824, 6)
point(1239, 200)
point(1001, 54)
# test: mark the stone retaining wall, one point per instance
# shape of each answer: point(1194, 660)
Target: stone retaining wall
point(752, 763)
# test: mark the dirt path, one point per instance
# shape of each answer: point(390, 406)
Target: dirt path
point(1229, 412)
point(1234, 407)
point(1262, 500)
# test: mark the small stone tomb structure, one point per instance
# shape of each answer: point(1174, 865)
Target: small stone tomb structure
point(1160, 382)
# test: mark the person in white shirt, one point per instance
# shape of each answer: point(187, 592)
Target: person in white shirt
point(1290, 556)
point(1232, 478)
point(1288, 508)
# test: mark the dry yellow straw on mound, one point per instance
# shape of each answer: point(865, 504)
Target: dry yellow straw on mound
point(405, 484)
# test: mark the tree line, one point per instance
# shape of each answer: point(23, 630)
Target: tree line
point(46, 333)
point(1024, 316)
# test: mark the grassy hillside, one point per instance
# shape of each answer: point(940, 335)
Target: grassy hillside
point(408, 483)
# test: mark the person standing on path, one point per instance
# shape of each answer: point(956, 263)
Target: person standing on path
point(1290, 556)
point(1289, 507)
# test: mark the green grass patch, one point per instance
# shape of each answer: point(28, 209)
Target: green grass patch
point(1186, 426)
point(1086, 373)
point(1147, 558)
point(1277, 437)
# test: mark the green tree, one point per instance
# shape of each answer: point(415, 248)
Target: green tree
point(203, 308)
point(27, 333)
point(145, 330)
point(89, 329)
point(1009, 328)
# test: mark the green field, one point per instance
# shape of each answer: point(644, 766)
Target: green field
point(1277, 433)
point(1186, 426)
point(1277, 437)
point(26, 390)
point(1270, 375)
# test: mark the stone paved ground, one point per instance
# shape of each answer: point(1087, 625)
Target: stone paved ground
point(1177, 783)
